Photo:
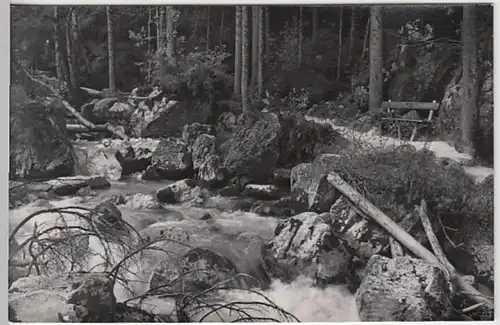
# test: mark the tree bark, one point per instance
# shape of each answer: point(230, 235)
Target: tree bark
point(158, 30)
point(111, 51)
point(365, 40)
point(469, 116)
point(351, 33)
point(244, 59)
point(161, 36)
point(149, 44)
point(69, 54)
point(170, 33)
point(268, 30)
point(301, 37)
point(339, 54)
point(314, 24)
point(237, 53)
point(376, 59)
point(75, 45)
point(57, 46)
point(221, 38)
point(255, 45)
point(208, 30)
point(260, 78)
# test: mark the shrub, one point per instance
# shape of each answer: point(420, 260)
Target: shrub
point(200, 75)
point(398, 179)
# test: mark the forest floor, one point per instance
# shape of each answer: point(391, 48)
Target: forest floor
point(441, 149)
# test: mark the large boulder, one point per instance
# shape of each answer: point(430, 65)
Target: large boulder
point(38, 141)
point(136, 154)
point(190, 132)
point(196, 271)
point(97, 160)
point(75, 297)
point(162, 118)
point(253, 149)
point(101, 111)
point(304, 140)
point(171, 160)
point(179, 192)
point(310, 190)
point(203, 146)
point(402, 289)
point(305, 244)
point(421, 79)
point(211, 173)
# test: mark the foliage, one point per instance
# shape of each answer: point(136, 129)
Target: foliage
point(397, 179)
point(201, 75)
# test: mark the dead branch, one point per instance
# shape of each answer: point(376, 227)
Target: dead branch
point(83, 128)
point(70, 108)
point(406, 239)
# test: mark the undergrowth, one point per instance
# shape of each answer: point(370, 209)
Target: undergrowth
point(397, 179)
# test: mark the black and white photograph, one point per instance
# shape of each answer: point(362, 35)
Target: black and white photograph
point(250, 162)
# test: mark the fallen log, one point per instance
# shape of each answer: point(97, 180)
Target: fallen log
point(406, 239)
point(70, 108)
point(83, 128)
point(93, 92)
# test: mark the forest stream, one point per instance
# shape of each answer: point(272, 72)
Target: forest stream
point(220, 234)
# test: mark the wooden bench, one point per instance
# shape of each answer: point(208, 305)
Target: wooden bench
point(396, 109)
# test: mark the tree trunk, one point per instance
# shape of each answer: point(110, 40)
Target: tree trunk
point(244, 59)
point(268, 30)
point(314, 24)
point(149, 44)
point(255, 45)
point(208, 30)
point(376, 59)
point(57, 46)
point(301, 37)
point(69, 45)
point(158, 30)
point(221, 36)
point(170, 33)
point(260, 79)
point(469, 120)
point(351, 33)
point(339, 54)
point(74, 55)
point(161, 36)
point(237, 53)
point(111, 51)
point(365, 40)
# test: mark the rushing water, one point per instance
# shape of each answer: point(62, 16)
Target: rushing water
point(220, 234)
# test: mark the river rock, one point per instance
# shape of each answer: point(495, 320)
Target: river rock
point(226, 121)
point(401, 289)
point(303, 140)
point(305, 244)
point(38, 141)
point(142, 201)
point(71, 184)
point(75, 297)
point(253, 149)
point(136, 154)
point(97, 160)
point(202, 270)
point(278, 208)
point(190, 132)
point(211, 174)
point(179, 192)
point(171, 160)
point(310, 189)
point(162, 118)
point(263, 192)
point(203, 146)
point(281, 177)
point(363, 237)
point(101, 111)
